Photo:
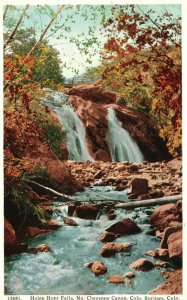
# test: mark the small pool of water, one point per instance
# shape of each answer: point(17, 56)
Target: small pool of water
point(62, 271)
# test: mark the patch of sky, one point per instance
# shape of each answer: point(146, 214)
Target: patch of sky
point(78, 33)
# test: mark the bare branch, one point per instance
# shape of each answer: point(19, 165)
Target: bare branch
point(16, 28)
point(45, 30)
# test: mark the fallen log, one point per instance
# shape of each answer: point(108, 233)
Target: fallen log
point(64, 196)
point(149, 202)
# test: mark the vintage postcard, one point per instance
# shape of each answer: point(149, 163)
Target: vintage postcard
point(93, 153)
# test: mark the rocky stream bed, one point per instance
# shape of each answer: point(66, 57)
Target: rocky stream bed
point(100, 249)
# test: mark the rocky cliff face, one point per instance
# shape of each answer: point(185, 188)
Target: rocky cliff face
point(91, 104)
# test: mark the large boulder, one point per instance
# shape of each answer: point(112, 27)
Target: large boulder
point(94, 93)
point(167, 232)
point(88, 212)
point(11, 246)
point(111, 249)
point(31, 232)
point(126, 226)
point(175, 246)
point(52, 225)
point(139, 186)
point(142, 264)
point(163, 215)
point(9, 234)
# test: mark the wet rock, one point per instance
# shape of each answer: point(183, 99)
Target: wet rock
point(52, 225)
point(43, 248)
point(111, 216)
point(31, 232)
point(129, 275)
point(157, 252)
point(175, 247)
point(71, 210)
point(163, 215)
point(142, 264)
point(111, 249)
point(162, 264)
point(97, 267)
point(16, 248)
point(107, 237)
point(167, 232)
point(116, 279)
point(88, 212)
point(139, 186)
point(70, 222)
point(156, 194)
point(133, 168)
point(9, 234)
point(151, 232)
point(11, 246)
point(126, 226)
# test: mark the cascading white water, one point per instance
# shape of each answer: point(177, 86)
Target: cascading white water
point(74, 127)
point(121, 145)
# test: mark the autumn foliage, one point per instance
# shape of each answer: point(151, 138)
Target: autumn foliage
point(142, 63)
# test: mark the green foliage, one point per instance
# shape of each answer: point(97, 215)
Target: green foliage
point(47, 69)
point(55, 137)
point(18, 193)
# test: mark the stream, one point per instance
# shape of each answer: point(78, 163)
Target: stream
point(62, 271)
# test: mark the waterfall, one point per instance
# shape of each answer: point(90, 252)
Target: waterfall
point(74, 127)
point(121, 145)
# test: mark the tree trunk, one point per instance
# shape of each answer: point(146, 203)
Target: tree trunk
point(45, 31)
point(16, 28)
point(149, 202)
point(64, 196)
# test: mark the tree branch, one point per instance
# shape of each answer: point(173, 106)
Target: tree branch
point(158, 26)
point(5, 12)
point(150, 202)
point(45, 31)
point(16, 28)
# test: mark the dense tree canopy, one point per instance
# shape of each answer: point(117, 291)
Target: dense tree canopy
point(142, 63)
